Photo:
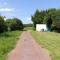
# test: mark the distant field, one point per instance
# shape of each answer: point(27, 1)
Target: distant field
point(28, 28)
point(50, 41)
point(7, 42)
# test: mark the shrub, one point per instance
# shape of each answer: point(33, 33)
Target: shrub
point(3, 26)
point(14, 24)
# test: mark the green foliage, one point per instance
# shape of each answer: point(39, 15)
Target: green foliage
point(3, 26)
point(7, 42)
point(51, 17)
point(37, 18)
point(14, 24)
point(28, 25)
point(49, 22)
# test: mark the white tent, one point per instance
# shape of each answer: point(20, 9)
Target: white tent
point(41, 27)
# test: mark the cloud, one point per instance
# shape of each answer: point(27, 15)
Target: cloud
point(29, 18)
point(6, 9)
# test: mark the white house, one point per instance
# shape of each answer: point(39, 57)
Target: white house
point(41, 27)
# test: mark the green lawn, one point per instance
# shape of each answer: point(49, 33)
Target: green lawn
point(7, 42)
point(50, 41)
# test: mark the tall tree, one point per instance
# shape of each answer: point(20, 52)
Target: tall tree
point(14, 24)
point(37, 18)
point(49, 22)
point(3, 26)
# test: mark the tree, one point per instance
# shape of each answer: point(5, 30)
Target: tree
point(50, 17)
point(37, 18)
point(15, 24)
point(3, 26)
point(49, 22)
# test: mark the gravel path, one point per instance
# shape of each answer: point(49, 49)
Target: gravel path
point(28, 49)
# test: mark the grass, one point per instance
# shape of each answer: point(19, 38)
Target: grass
point(50, 41)
point(28, 28)
point(7, 42)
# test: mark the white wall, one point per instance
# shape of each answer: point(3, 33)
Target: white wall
point(39, 27)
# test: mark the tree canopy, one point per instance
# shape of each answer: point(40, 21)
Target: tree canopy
point(3, 26)
point(50, 17)
point(37, 18)
point(14, 24)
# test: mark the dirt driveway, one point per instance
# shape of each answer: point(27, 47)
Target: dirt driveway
point(28, 49)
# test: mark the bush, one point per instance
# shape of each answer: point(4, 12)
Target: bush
point(14, 24)
point(3, 26)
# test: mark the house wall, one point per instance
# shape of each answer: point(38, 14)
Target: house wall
point(41, 27)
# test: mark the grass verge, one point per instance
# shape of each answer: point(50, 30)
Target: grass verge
point(7, 42)
point(50, 41)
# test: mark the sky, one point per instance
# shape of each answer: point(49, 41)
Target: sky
point(24, 9)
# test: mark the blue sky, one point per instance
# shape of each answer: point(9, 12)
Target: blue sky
point(23, 9)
